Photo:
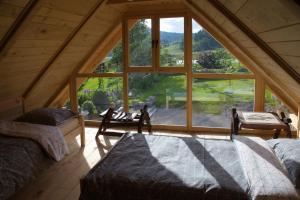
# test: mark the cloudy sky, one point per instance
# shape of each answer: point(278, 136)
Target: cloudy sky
point(174, 25)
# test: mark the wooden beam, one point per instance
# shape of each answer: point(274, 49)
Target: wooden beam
point(298, 123)
point(16, 24)
point(188, 62)
point(259, 100)
point(124, 1)
point(61, 49)
point(256, 39)
point(88, 75)
point(125, 29)
point(223, 76)
point(73, 97)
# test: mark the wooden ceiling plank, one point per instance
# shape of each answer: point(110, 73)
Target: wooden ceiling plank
point(258, 41)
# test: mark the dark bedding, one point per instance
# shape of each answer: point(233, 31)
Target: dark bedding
point(143, 167)
point(20, 161)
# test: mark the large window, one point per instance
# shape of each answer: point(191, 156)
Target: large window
point(213, 100)
point(165, 95)
point(188, 82)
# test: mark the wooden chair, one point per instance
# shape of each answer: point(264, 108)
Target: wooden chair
point(113, 119)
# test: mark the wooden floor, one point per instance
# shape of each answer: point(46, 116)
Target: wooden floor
point(61, 180)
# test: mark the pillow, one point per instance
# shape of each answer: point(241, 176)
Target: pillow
point(46, 116)
point(288, 152)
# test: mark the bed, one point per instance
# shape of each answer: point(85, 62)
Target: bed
point(164, 167)
point(65, 120)
point(31, 143)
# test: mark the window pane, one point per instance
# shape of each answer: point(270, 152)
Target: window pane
point(213, 100)
point(140, 43)
point(172, 42)
point(211, 57)
point(96, 95)
point(113, 62)
point(273, 104)
point(165, 95)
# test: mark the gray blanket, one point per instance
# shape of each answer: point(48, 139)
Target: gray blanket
point(143, 167)
point(20, 161)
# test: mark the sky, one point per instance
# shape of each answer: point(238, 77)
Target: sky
point(174, 25)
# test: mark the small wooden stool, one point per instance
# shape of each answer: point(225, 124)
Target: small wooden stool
point(260, 120)
point(122, 119)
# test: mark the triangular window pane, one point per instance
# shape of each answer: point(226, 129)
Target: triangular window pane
point(113, 62)
point(209, 56)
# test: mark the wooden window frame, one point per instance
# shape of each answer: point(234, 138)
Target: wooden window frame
point(155, 68)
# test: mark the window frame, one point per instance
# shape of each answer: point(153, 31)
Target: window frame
point(155, 68)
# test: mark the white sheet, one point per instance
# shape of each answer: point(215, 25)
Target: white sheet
point(49, 137)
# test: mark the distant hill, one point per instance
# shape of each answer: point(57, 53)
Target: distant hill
point(168, 37)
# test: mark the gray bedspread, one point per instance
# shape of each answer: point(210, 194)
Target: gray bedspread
point(144, 167)
point(20, 161)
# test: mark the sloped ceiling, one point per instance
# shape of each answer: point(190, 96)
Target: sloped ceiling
point(48, 40)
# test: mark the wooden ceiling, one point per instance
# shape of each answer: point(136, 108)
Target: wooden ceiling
point(44, 41)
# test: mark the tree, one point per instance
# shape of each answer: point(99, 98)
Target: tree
point(140, 44)
point(204, 41)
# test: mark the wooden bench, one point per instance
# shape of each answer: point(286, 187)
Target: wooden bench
point(112, 119)
point(260, 120)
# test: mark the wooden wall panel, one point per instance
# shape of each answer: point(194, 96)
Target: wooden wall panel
point(43, 32)
point(104, 19)
point(264, 15)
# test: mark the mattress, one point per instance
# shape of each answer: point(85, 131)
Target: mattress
point(161, 168)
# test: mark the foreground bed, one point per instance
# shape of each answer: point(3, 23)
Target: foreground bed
point(164, 167)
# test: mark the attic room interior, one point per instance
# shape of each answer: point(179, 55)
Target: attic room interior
point(149, 99)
